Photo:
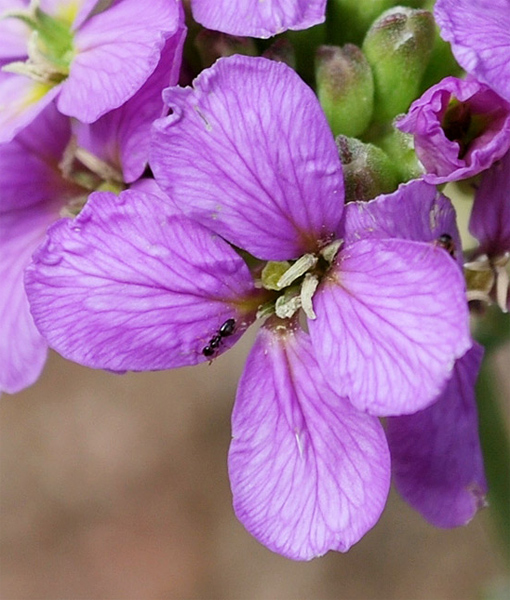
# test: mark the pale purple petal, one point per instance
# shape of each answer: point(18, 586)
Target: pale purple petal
point(446, 144)
point(29, 164)
point(416, 211)
point(479, 32)
point(248, 153)
point(150, 288)
point(122, 136)
point(13, 33)
point(392, 319)
point(21, 100)
point(116, 51)
point(258, 19)
point(437, 461)
point(490, 218)
point(309, 473)
point(22, 348)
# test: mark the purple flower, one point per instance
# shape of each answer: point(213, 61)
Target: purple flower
point(44, 174)
point(460, 128)
point(258, 19)
point(490, 224)
point(437, 462)
point(479, 32)
point(89, 61)
point(250, 167)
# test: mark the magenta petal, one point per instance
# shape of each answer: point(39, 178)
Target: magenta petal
point(479, 32)
point(116, 51)
point(392, 319)
point(22, 348)
point(258, 19)
point(416, 211)
point(436, 456)
point(129, 285)
point(309, 473)
point(490, 218)
point(248, 153)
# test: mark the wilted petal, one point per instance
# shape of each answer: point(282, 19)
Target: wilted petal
point(22, 348)
point(416, 211)
point(130, 285)
point(116, 51)
point(490, 218)
point(479, 32)
point(436, 456)
point(258, 19)
point(309, 473)
point(391, 320)
point(248, 153)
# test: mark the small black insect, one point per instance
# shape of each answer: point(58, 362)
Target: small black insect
point(446, 242)
point(226, 330)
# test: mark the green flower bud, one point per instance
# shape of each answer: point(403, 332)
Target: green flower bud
point(368, 171)
point(349, 20)
point(345, 87)
point(398, 48)
point(399, 146)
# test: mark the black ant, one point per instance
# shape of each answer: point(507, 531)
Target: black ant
point(226, 330)
point(446, 242)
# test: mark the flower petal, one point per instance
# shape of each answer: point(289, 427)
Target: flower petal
point(130, 285)
point(22, 348)
point(258, 19)
point(248, 153)
point(465, 144)
point(416, 211)
point(479, 33)
point(391, 320)
point(436, 456)
point(21, 100)
point(490, 218)
point(29, 164)
point(122, 136)
point(309, 473)
point(116, 51)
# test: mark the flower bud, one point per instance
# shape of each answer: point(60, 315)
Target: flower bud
point(398, 48)
point(368, 171)
point(349, 20)
point(345, 87)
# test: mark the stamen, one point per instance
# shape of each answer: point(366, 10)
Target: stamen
point(299, 268)
point(308, 288)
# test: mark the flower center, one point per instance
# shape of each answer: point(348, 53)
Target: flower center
point(50, 46)
point(460, 124)
point(296, 281)
point(488, 278)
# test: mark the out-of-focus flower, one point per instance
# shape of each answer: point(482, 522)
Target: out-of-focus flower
point(479, 33)
point(258, 19)
point(47, 171)
point(488, 272)
point(460, 128)
point(251, 168)
point(91, 61)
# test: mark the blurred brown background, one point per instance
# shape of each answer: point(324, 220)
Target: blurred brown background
point(116, 488)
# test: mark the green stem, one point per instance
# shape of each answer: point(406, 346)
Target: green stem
point(496, 450)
